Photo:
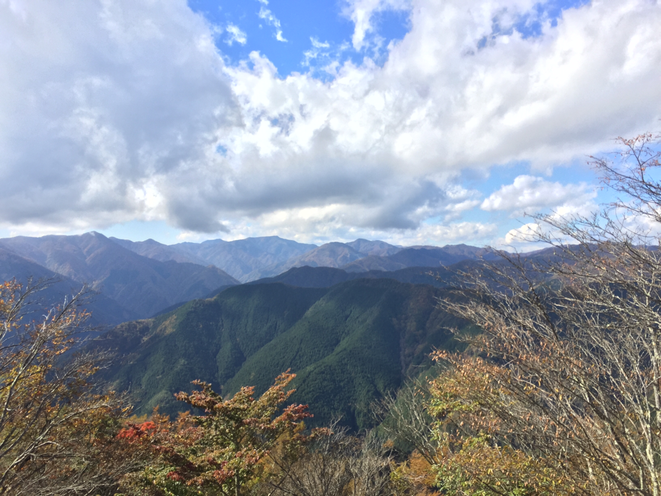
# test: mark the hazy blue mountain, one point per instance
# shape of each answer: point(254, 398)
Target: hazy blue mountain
point(244, 257)
point(426, 256)
point(104, 311)
point(257, 258)
point(139, 284)
point(420, 256)
point(327, 255)
point(158, 251)
point(470, 252)
point(378, 248)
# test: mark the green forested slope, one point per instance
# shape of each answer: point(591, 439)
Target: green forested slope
point(348, 344)
point(358, 341)
point(204, 339)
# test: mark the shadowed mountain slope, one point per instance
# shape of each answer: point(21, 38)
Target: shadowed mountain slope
point(324, 277)
point(373, 262)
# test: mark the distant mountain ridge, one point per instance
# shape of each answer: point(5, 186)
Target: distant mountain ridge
point(104, 311)
point(140, 285)
point(147, 277)
point(252, 259)
point(240, 259)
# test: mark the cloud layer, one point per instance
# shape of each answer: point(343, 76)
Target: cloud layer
point(530, 195)
point(112, 110)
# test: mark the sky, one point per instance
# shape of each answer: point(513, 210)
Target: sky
point(417, 122)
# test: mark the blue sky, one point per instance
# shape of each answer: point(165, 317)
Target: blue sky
point(300, 23)
point(411, 121)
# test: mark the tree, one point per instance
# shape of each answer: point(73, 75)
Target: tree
point(52, 423)
point(406, 420)
point(329, 462)
point(562, 393)
point(222, 451)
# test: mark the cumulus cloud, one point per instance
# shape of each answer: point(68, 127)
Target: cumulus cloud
point(441, 103)
point(99, 99)
point(530, 194)
point(112, 110)
point(460, 200)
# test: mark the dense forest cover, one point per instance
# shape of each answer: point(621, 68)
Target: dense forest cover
point(349, 345)
point(556, 388)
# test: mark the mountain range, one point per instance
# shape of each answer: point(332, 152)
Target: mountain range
point(352, 320)
point(140, 279)
point(139, 286)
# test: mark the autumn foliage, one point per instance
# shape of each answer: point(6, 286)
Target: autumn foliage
point(221, 451)
point(55, 431)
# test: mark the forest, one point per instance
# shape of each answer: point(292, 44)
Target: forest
point(553, 386)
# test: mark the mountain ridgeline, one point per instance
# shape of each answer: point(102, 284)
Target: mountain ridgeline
point(136, 280)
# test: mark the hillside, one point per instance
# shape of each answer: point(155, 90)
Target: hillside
point(205, 339)
point(349, 344)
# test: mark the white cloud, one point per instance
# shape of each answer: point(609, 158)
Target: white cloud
point(476, 233)
point(321, 225)
point(101, 101)
point(529, 195)
point(271, 19)
point(521, 239)
point(112, 110)
point(235, 35)
point(459, 200)
point(441, 104)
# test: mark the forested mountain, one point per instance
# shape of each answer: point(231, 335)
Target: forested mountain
point(349, 344)
point(324, 277)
